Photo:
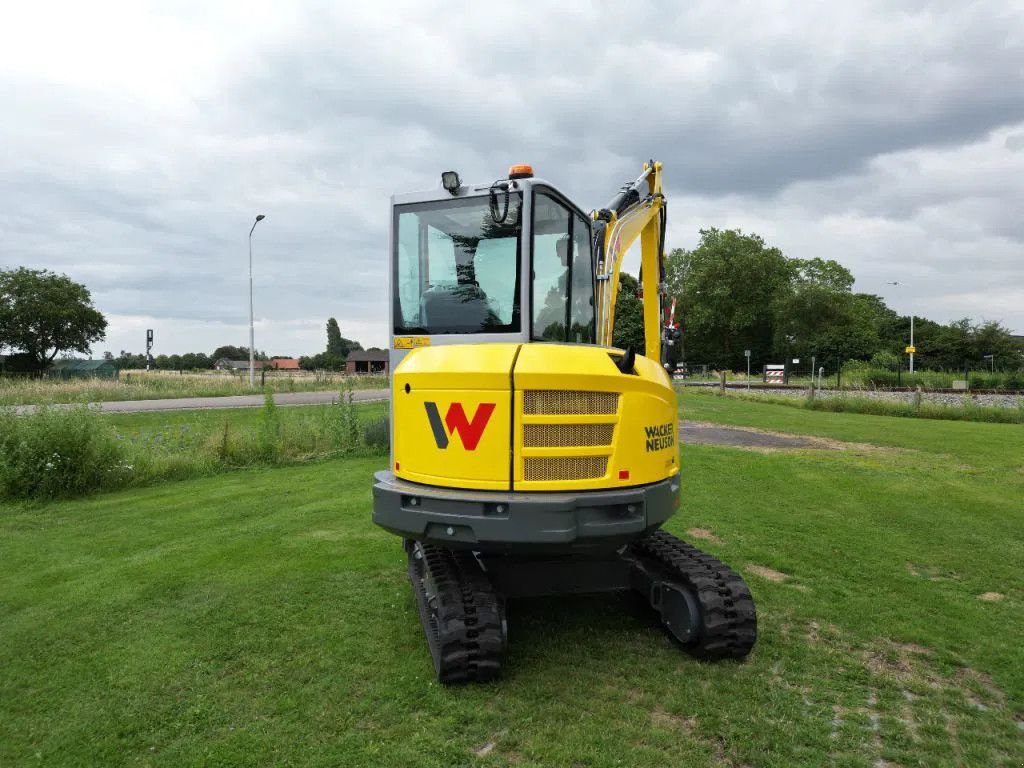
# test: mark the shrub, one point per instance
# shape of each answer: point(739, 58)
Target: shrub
point(343, 422)
point(377, 435)
point(55, 452)
point(269, 437)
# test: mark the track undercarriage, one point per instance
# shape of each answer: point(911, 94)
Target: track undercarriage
point(704, 605)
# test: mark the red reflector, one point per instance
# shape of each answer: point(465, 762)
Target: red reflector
point(397, 466)
point(623, 474)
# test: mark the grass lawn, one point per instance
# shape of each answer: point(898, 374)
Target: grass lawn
point(259, 618)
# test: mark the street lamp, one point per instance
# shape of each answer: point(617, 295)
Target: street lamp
point(252, 342)
point(896, 282)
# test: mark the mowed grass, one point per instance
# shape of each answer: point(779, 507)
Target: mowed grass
point(259, 618)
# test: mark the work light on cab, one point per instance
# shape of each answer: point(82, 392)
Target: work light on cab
point(450, 181)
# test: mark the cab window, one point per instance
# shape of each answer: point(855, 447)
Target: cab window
point(563, 274)
point(581, 326)
point(551, 253)
point(455, 269)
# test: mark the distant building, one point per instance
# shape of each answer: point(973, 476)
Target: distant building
point(81, 369)
point(283, 364)
point(371, 360)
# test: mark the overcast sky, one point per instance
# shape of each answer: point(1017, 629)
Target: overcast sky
point(137, 143)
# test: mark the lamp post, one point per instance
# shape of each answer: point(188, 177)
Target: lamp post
point(252, 341)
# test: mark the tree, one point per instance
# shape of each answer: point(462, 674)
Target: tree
point(337, 345)
point(818, 320)
point(629, 315)
point(44, 314)
point(728, 289)
point(229, 352)
point(196, 360)
point(126, 360)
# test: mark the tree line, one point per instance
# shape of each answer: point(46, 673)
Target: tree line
point(331, 359)
point(734, 292)
point(44, 315)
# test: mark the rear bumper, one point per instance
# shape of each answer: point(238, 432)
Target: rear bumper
point(492, 521)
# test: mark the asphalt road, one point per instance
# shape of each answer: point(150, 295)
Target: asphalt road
point(234, 401)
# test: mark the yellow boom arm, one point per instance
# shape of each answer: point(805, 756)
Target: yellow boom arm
point(638, 211)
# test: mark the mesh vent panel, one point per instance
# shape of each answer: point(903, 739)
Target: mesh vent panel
point(567, 435)
point(553, 402)
point(565, 467)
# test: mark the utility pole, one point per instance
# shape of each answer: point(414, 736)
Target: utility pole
point(911, 343)
point(911, 348)
point(252, 341)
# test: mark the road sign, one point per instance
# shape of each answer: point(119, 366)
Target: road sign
point(796, 361)
point(987, 357)
point(746, 353)
point(910, 350)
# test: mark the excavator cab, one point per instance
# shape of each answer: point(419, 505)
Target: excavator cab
point(506, 262)
point(529, 456)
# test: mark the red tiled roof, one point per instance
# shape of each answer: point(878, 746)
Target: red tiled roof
point(284, 364)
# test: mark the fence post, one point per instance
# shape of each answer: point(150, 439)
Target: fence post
point(839, 370)
point(721, 381)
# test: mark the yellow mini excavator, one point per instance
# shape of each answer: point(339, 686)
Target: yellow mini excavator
point(529, 456)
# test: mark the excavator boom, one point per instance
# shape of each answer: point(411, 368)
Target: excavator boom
point(637, 212)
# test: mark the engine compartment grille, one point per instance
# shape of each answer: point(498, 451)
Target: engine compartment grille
point(567, 435)
point(564, 467)
point(552, 432)
point(554, 402)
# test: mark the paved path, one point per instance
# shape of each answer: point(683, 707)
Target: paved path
point(714, 434)
point(234, 401)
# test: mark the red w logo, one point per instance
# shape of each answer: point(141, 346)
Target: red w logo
point(456, 421)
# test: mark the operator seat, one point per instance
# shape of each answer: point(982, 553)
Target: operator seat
point(451, 306)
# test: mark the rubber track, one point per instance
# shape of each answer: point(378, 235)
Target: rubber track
point(727, 608)
point(465, 626)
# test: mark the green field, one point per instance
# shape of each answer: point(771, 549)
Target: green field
point(157, 385)
point(259, 618)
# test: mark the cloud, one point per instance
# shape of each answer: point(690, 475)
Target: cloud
point(139, 144)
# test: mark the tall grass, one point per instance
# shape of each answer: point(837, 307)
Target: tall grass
point(59, 453)
point(154, 385)
point(967, 410)
point(858, 375)
point(69, 451)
